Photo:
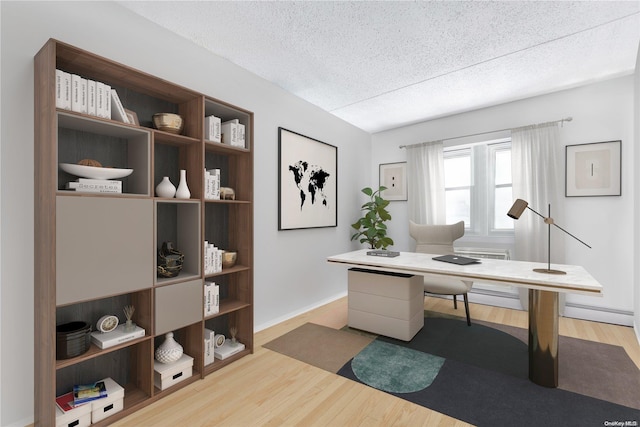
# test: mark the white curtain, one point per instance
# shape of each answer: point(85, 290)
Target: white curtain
point(537, 178)
point(425, 177)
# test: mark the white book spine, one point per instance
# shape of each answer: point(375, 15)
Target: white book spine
point(208, 294)
point(100, 99)
point(76, 93)
point(241, 140)
point(91, 97)
point(215, 305)
point(107, 101)
point(60, 102)
point(110, 182)
point(83, 96)
point(230, 133)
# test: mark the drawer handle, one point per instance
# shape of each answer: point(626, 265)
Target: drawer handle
point(177, 375)
point(74, 424)
point(108, 408)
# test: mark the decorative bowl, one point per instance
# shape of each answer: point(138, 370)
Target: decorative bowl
point(168, 122)
point(72, 339)
point(95, 172)
point(229, 259)
point(169, 261)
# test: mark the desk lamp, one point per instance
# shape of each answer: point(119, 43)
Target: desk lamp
point(518, 208)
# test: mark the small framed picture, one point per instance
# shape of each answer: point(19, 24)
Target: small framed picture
point(593, 169)
point(394, 177)
point(132, 117)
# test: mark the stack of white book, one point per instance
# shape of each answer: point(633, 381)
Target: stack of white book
point(212, 128)
point(212, 184)
point(233, 133)
point(212, 258)
point(87, 185)
point(76, 93)
point(211, 298)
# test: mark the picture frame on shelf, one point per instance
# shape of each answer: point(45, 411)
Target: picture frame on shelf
point(593, 169)
point(394, 177)
point(132, 116)
point(307, 182)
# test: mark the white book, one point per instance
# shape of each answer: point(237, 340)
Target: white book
point(107, 101)
point(91, 97)
point(228, 349)
point(208, 298)
point(83, 96)
point(76, 93)
point(100, 108)
point(215, 299)
point(87, 184)
point(67, 90)
point(241, 140)
point(115, 337)
point(63, 99)
point(117, 110)
point(212, 128)
point(230, 132)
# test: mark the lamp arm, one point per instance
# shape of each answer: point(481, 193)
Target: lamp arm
point(544, 217)
point(571, 235)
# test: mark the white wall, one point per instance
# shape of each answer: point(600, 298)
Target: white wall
point(601, 112)
point(290, 272)
point(636, 157)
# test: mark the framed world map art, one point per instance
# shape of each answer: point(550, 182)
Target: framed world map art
point(307, 182)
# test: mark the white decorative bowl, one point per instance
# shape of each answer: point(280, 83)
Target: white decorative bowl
point(95, 172)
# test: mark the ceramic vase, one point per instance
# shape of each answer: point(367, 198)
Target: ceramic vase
point(165, 188)
point(169, 351)
point(183, 190)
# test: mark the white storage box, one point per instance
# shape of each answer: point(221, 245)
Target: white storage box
point(167, 374)
point(113, 403)
point(77, 417)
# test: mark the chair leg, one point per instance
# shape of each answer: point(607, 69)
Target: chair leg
point(466, 307)
point(455, 302)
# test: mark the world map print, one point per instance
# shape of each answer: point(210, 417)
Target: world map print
point(311, 180)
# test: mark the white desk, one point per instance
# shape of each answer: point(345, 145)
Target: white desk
point(543, 294)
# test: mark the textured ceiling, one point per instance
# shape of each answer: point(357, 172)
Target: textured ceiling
point(381, 65)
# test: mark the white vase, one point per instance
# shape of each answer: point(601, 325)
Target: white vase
point(183, 190)
point(165, 188)
point(169, 351)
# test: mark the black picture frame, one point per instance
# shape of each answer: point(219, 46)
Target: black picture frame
point(307, 182)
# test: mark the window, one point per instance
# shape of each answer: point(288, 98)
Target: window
point(478, 187)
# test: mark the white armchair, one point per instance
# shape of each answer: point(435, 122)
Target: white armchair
point(438, 240)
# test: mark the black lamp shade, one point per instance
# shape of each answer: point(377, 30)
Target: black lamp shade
point(518, 207)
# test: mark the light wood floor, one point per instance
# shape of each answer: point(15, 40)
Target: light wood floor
point(269, 389)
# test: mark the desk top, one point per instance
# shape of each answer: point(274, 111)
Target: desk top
point(507, 272)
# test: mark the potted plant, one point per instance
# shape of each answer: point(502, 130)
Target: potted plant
point(371, 228)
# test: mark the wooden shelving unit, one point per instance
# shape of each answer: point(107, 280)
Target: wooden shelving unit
point(96, 252)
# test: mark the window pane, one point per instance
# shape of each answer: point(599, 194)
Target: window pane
point(503, 167)
point(459, 206)
point(503, 202)
point(457, 171)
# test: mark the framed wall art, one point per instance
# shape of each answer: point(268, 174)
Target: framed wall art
point(593, 169)
point(394, 177)
point(307, 182)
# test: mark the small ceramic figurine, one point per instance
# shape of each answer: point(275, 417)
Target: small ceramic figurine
point(227, 193)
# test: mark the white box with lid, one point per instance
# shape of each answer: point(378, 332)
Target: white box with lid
point(113, 403)
point(79, 416)
point(167, 374)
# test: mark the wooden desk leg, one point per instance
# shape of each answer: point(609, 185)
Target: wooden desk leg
point(543, 337)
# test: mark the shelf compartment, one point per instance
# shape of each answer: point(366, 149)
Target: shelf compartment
point(171, 155)
point(190, 338)
point(241, 318)
point(228, 112)
point(235, 172)
point(178, 221)
point(112, 144)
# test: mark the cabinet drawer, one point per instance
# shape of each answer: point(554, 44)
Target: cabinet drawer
point(178, 305)
point(104, 247)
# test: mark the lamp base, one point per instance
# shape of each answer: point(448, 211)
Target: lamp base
point(549, 271)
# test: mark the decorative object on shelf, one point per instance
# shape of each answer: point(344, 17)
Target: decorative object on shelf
point(229, 259)
point(169, 260)
point(128, 313)
point(371, 228)
point(518, 208)
point(132, 117)
point(227, 193)
point(166, 188)
point(169, 351)
point(219, 340)
point(94, 172)
point(107, 323)
point(183, 190)
point(233, 331)
point(307, 182)
point(593, 169)
point(72, 339)
point(168, 122)
point(393, 176)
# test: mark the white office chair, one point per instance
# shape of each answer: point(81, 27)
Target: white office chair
point(438, 240)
